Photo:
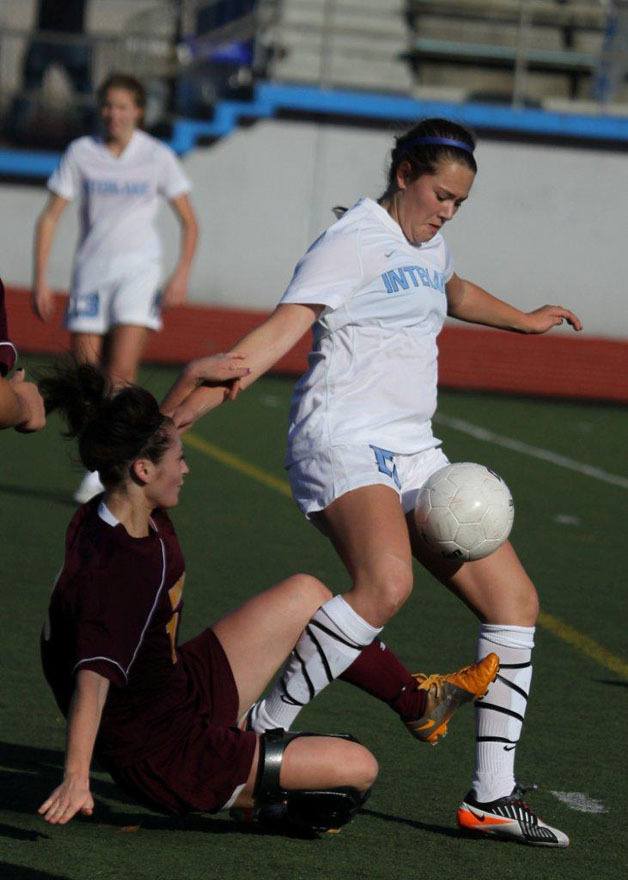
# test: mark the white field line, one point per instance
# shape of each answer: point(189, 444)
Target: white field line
point(532, 451)
point(578, 800)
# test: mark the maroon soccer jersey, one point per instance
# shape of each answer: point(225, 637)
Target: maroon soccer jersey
point(168, 729)
point(115, 609)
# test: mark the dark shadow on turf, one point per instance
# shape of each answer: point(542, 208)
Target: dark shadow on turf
point(20, 833)
point(194, 822)
point(28, 774)
point(40, 494)
point(17, 872)
point(443, 830)
point(614, 682)
point(420, 826)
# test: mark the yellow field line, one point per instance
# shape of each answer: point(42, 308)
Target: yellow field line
point(238, 464)
point(584, 644)
point(563, 631)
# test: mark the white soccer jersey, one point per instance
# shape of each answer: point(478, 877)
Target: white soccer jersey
point(120, 197)
point(372, 371)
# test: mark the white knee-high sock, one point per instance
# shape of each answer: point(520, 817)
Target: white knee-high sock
point(499, 715)
point(329, 644)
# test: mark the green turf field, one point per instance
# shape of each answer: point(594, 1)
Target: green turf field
point(241, 533)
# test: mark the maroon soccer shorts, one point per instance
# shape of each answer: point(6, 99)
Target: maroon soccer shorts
point(200, 770)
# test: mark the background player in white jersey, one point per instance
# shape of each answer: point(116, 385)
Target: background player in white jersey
point(120, 178)
point(377, 286)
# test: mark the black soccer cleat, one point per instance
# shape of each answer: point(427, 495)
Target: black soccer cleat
point(508, 817)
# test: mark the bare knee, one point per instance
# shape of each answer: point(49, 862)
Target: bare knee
point(363, 769)
point(530, 607)
point(307, 588)
point(321, 762)
point(379, 598)
point(396, 591)
point(524, 605)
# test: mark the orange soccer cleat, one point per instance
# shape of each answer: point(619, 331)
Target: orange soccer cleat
point(445, 693)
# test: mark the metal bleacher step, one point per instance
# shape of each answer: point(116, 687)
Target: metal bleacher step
point(344, 43)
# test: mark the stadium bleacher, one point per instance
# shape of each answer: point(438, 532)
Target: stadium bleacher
point(449, 49)
point(559, 42)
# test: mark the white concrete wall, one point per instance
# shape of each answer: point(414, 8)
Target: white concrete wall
point(544, 224)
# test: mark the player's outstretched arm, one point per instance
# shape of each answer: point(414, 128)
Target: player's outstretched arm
point(469, 302)
point(74, 795)
point(261, 348)
point(21, 404)
point(42, 301)
point(217, 371)
point(11, 408)
point(176, 289)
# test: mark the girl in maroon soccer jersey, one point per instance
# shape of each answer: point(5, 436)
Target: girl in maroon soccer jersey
point(166, 720)
point(161, 718)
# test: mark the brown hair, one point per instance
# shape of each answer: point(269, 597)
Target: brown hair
point(123, 81)
point(424, 157)
point(113, 428)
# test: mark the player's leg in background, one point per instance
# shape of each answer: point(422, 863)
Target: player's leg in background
point(133, 312)
point(126, 345)
point(87, 348)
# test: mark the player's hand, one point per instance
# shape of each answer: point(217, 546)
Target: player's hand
point(31, 401)
point(543, 319)
point(219, 368)
point(68, 799)
point(42, 302)
point(175, 293)
point(184, 417)
point(198, 404)
point(204, 384)
point(191, 410)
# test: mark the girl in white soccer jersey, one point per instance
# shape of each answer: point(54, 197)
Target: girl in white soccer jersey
point(377, 286)
point(120, 178)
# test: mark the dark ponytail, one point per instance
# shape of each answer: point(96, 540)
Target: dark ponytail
point(113, 428)
point(426, 144)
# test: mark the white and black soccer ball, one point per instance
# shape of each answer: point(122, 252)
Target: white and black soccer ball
point(464, 511)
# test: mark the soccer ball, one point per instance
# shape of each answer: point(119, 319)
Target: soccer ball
point(464, 511)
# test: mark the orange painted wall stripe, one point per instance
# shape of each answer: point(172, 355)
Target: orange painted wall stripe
point(577, 367)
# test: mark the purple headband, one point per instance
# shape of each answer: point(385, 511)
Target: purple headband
point(442, 141)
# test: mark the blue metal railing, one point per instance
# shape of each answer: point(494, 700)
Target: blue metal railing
point(270, 98)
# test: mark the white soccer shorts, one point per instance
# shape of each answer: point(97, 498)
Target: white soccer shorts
point(133, 298)
point(318, 481)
